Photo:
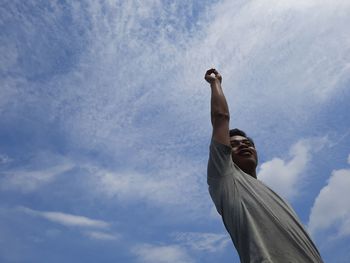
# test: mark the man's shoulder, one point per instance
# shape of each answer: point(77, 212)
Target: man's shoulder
point(220, 162)
point(215, 145)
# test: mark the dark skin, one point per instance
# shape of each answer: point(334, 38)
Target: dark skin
point(244, 154)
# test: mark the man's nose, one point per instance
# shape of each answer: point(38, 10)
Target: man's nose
point(242, 144)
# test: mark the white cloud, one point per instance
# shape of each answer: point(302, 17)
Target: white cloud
point(286, 176)
point(331, 210)
point(210, 242)
point(27, 180)
point(133, 186)
point(170, 184)
point(102, 235)
point(67, 219)
point(161, 254)
point(88, 227)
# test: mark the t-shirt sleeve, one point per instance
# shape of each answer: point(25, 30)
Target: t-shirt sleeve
point(219, 167)
point(220, 160)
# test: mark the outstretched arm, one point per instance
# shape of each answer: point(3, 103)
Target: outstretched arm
point(220, 115)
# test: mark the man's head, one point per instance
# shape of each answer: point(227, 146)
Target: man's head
point(243, 152)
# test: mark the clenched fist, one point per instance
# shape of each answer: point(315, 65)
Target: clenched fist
point(209, 77)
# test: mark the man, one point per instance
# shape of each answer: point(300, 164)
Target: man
point(263, 227)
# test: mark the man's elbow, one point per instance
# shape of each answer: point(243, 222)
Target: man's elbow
point(219, 118)
point(220, 115)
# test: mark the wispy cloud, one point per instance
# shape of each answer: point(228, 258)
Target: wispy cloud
point(116, 116)
point(98, 235)
point(286, 176)
point(4, 159)
point(331, 208)
point(147, 253)
point(27, 180)
point(95, 229)
point(164, 58)
point(209, 242)
point(68, 220)
point(171, 184)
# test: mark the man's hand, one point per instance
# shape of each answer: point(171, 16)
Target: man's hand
point(212, 78)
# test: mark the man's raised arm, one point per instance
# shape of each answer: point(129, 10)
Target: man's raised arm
point(220, 115)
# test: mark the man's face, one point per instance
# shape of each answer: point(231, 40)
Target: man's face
point(243, 153)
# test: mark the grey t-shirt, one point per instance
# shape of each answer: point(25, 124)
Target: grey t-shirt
point(263, 227)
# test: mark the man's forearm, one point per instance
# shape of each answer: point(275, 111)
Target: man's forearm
point(220, 116)
point(219, 107)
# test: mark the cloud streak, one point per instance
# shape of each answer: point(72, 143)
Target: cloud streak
point(30, 180)
point(210, 242)
point(164, 186)
point(147, 253)
point(98, 235)
point(68, 220)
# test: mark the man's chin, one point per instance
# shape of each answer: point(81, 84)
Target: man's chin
point(246, 163)
point(247, 157)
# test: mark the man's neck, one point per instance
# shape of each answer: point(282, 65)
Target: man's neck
point(251, 173)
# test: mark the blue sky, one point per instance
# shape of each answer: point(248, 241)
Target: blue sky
point(105, 127)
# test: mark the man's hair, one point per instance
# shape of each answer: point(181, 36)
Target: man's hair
point(239, 132)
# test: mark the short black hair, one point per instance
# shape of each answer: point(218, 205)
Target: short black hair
point(239, 132)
